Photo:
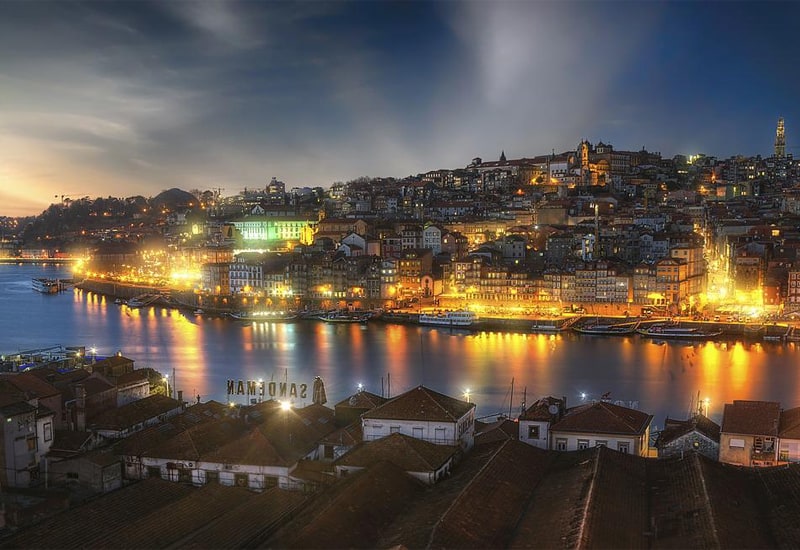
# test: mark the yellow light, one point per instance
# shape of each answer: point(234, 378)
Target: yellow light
point(286, 405)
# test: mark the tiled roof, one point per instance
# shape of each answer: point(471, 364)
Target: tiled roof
point(789, 427)
point(354, 513)
point(540, 410)
point(409, 453)
point(134, 413)
point(673, 429)
point(133, 377)
point(500, 430)
point(603, 417)
point(421, 403)
point(348, 436)
point(361, 400)
point(29, 383)
point(751, 417)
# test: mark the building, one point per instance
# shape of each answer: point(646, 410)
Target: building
point(750, 433)
point(535, 421)
point(698, 434)
point(601, 424)
point(257, 447)
point(424, 414)
point(422, 460)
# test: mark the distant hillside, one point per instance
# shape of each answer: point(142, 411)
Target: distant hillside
point(174, 198)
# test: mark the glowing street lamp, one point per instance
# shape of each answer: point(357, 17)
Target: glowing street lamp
point(466, 395)
point(166, 385)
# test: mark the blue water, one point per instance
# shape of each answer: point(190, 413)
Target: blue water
point(661, 378)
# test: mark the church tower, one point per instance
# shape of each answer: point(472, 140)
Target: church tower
point(780, 140)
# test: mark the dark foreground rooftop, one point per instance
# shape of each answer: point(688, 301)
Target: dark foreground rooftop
point(504, 494)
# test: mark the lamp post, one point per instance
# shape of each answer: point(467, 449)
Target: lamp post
point(166, 384)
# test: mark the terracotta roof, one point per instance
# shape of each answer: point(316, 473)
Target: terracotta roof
point(349, 435)
point(29, 383)
point(751, 417)
point(409, 453)
point(603, 417)
point(421, 403)
point(139, 375)
point(540, 410)
point(673, 429)
point(500, 430)
point(70, 440)
point(134, 413)
point(361, 400)
point(789, 427)
point(354, 512)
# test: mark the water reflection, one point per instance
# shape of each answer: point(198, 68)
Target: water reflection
point(664, 378)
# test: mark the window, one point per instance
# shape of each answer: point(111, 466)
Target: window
point(240, 480)
point(561, 444)
point(533, 432)
point(394, 429)
point(440, 435)
point(212, 476)
point(48, 431)
point(31, 443)
point(153, 471)
point(623, 447)
point(601, 443)
point(583, 444)
point(417, 432)
point(327, 451)
point(737, 443)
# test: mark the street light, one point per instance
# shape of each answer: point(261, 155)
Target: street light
point(166, 383)
point(466, 395)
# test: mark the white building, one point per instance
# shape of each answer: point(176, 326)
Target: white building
point(602, 423)
point(424, 414)
point(257, 447)
point(547, 424)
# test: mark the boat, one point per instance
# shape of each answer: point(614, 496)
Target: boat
point(460, 318)
point(265, 316)
point(679, 333)
point(598, 329)
point(345, 317)
point(135, 302)
point(545, 328)
point(46, 286)
point(199, 311)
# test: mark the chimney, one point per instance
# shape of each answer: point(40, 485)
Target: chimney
point(80, 407)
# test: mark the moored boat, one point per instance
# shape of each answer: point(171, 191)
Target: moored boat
point(265, 316)
point(678, 332)
point(460, 318)
point(345, 317)
point(607, 329)
point(46, 286)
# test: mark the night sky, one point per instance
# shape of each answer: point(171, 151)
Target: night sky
point(125, 98)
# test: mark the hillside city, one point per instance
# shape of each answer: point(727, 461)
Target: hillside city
point(95, 452)
point(596, 227)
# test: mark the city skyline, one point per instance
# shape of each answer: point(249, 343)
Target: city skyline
point(133, 98)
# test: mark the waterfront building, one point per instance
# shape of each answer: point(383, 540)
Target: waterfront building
point(600, 424)
point(422, 460)
point(789, 436)
point(133, 417)
point(535, 421)
point(698, 434)
point(424, 414)
point(257, 447)
point(749, 433)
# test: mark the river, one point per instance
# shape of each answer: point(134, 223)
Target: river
point(660, 378)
